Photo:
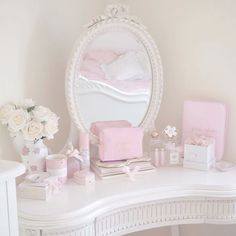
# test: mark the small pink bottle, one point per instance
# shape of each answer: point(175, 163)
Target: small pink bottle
point(162, 157)
point(156, 157)
point(84, 149)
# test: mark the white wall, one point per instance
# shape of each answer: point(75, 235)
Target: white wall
point(197, 42)
point(36, 38)
point(196, 39)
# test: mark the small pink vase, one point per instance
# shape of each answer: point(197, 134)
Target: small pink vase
point(32, 154)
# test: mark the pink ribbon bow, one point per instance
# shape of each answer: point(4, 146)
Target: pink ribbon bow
point(73, 152)
point(55, 185)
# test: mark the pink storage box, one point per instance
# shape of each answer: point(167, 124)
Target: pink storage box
point(120, 143)
point(206, 116)
point(97, 126)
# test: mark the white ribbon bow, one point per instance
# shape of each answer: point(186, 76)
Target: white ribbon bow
point(131, 173)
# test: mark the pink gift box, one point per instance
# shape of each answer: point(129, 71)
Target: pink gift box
point(73, 165)
point(208, 117)
point(120, 143)
point(84, 177)
point(98, 126)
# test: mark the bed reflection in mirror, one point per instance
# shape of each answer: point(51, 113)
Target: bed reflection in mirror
point(114, 78)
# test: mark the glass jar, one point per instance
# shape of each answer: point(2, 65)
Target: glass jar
point(154, 145)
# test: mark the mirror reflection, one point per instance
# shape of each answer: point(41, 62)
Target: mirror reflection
point(114, 79)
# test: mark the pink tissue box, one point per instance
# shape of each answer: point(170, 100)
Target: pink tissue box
point(120, 143)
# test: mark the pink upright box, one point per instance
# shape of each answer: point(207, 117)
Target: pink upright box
point(208, 117)
point(97, 126)
point(120, 143)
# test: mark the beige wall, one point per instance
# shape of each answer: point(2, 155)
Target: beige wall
point(36, 38)
point(196, 39)
point(197, 42)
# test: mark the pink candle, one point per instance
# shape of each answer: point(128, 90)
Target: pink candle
point(83, 141)
point(57, 166)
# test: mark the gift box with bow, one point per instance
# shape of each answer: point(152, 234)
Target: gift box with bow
point(199, 152)
point(39, 186)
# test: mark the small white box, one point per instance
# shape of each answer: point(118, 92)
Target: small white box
point(199, 157)
point(198, 165)
point(35, 193)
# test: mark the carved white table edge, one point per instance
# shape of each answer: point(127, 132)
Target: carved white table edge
point(171, 196)
point(9, 170)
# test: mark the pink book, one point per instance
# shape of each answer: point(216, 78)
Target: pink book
point(97, 126)
point(208, 117)
point(120, 143)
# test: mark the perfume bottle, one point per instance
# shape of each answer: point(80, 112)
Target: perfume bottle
point(173, 155)
point(156, 160)
point(163, 157)
point(84, 149)
point(154, 145)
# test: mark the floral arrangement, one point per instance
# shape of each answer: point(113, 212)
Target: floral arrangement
point(170, 131)
point(31, 121)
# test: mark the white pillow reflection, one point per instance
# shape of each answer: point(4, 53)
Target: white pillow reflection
point(128, 66)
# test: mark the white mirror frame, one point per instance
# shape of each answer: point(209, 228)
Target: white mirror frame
point(115, 15)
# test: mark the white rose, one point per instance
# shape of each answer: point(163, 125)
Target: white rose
point(5, 113)
point(41, 113)
point(26, 103)
point(18, 120)
point(170, 131)
point(33, 130)
point(53, 118)
point(50, 128)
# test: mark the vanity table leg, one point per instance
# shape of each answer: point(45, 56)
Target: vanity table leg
point(175, 230)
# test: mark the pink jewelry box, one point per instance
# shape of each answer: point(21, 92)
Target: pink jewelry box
point(207, 117)
point(97, 126)
point(84, 177)
point(120, 143)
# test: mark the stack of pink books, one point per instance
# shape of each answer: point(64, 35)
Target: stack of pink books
point(111, 169)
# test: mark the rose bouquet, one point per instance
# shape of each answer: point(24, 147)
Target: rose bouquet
point(31, 121)
point(29, 124)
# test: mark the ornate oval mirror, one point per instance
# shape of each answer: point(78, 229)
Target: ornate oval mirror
point(115, 72)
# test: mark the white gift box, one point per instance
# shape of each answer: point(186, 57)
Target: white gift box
point(32, 192)
point(39, 186)
point(199, 157)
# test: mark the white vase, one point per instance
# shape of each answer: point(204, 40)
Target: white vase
point(32, 154)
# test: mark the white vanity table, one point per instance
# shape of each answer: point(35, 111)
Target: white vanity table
point(166, 197)
point(170, 196)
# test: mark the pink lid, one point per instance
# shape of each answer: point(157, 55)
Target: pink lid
point(83, 141)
